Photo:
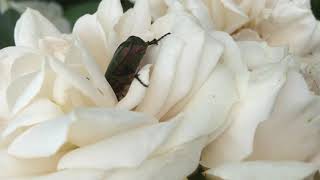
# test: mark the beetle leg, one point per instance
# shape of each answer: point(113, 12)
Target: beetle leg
point(155, 41)
point(140, 81)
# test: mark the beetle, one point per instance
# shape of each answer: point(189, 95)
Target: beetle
point(124, 65)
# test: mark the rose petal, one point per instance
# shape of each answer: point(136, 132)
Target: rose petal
point(22, 90)
point(291, 23)
point(236, 143)
point(68, 97)
point(292, 129)
point(227, 15)
point(97, 76)
point(135, 22)
point(254, 8)
point(28, 62)
point(212, 51)
point(83, 174)
point(162, 25)
point(108, 14)
point(105, 122)
point(232, 59)
point(263, 170)
point(258, 54)
point(31, 27)
point(95, 41)
point(246, 35)
point(42, 140)
point(162, 76)
point(193, 36)
point(175, 164)
point(11, 166)
point(117, 151)
point(37, 112)
point(201, 12)
point(208, 109)
point(79, 82)
point(137, 90)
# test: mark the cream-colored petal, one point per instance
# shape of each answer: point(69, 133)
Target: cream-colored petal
point(315, 160)
point(22, 90)
point(79, 82)
point(97, 75)
point(201, 12)
point(31, 27)
point(79, 174)
point(37, 112)
point(135, 22)
point(236, 143)
point(227, 15)
point(232, 59)
point(258, 54)
point(158, 8)
point(246, 35)
point(60, 88)
point(105, 123)
point(69, 98)
point(263, 170)
point(91, 34)
point(293, 128)
point(193, 35)
point(137, 90)
point(126, 150)
point(212, 51)
point(253, 8)
point(108, 14)
point(210, 55)
point(163, 75)
point(162, 25)
point(28, 62)
point(57, 47)
point(176, 164)
point(11, 166)
point(290, 23)
point(42, 140)
point(208, 110)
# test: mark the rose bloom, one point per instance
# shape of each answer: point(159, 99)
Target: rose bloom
point(240, 106)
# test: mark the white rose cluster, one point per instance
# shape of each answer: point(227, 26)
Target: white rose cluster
point(233, 88)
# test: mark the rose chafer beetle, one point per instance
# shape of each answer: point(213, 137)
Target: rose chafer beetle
point(124, 65)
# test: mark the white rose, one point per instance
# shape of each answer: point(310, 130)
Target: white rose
point(262, 117)
point(280, 23)
point(236, 98)
point(61, 119)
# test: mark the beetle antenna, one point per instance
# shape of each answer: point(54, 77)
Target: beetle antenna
point(155, 41)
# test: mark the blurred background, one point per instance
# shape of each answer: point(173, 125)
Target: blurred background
point(63, 13)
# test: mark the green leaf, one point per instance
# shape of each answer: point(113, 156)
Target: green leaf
point(75, 11)
point(8, 22)
point(315, 6)
point(126, 4)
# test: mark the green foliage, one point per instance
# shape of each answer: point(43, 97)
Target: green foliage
point(126, 4)
point(74, 11)
point(315, 6)
point(8, 21)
